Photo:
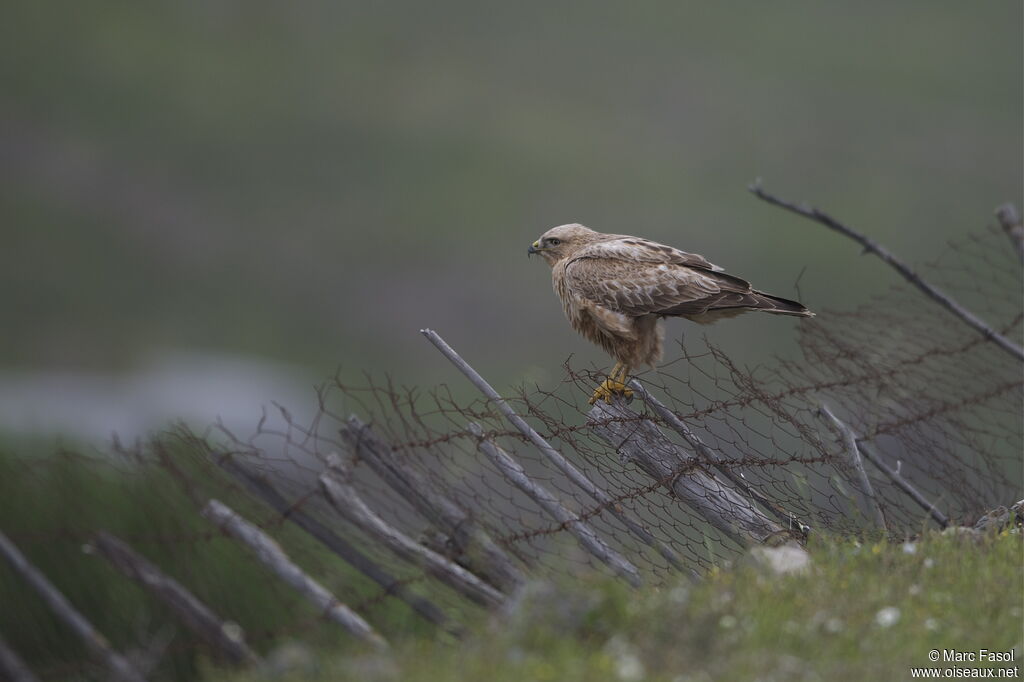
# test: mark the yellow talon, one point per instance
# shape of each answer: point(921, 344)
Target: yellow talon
point(610, 388)
point(614, 385)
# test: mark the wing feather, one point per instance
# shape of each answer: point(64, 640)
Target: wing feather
point(636, 277)
point(644, 250)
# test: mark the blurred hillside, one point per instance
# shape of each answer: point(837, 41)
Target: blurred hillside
point(313, 183)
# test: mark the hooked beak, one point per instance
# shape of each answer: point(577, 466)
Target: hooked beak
point(534, 248)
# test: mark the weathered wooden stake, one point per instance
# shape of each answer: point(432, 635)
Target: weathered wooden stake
point(903, 484)
point(275, 558)
point(474, 546)
point(853, 454)
point(640, 441)
point(547, 501)
point(871, 246)
point(554, 456)
point(350, 505)
point(1012, 225)
point(711, 457)
point(225, 638)
point(12, 667)
point(265, 491)
point(898, 480)
point(95, 642)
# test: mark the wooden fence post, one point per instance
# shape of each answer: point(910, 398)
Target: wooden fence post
point(639, 440)
point(711, 457)
point(95, 642)
point(849, 442)
point(12, 667)
point(225, 638)
point(546, 500)
point(473, 544)
point(271, 554)
point(350, 505)
point(265, 491)
point(556, 458)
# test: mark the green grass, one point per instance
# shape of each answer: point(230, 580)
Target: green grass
point(51, 505)
point(865, 611)
point(943, 591)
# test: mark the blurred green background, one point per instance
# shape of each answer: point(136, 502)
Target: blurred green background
point(312, 183)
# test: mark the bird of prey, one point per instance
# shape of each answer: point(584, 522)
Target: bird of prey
point(615, 289)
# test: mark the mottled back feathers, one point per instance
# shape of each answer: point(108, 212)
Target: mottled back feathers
point(614, 287)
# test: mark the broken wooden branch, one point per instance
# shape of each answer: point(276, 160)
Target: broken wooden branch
point(556, 458)
point(270, 553)
point(119, 666)
point(546, 500)
point(12, 667)
point(1010, 221)
point(712, 458)
point(223, 637)
point(639, 440)
point(871, 246)
point(350, 505)
point(473, 546)
point(849, 441)
point(903, 484)
point(266, 492)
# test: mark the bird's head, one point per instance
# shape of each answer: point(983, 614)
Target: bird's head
point(562, 242)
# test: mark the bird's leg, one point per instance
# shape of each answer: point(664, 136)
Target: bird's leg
point(614, 385)
point(623, 390)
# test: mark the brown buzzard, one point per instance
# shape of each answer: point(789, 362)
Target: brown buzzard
point(615, 289)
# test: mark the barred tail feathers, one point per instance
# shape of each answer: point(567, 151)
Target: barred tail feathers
point(779, 305)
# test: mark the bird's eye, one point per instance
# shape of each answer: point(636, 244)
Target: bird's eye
point(554, 242)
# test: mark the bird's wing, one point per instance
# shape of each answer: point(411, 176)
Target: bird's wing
point(644, 250)
point(635, 279)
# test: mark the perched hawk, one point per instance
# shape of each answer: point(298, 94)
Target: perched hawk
point(615, 288)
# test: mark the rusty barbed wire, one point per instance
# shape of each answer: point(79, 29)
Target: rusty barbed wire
point(933, 398)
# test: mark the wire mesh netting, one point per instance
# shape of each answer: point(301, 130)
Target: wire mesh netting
point(933, 398)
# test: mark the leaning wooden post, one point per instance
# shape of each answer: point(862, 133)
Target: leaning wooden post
point(711, 457)
point(871, 246)
point(350, 505)
point(902, 483)
point(12, 667)
point(225, 638)
point(475, 547)
point(853, 454)
point(546, 500)
point(275, 558)
point(1012, 225)
point(639, 440)
point(554, 456)
point(898, 480)
point(262, 488)
point(95, 642)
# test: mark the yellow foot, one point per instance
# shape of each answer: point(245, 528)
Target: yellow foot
point(610, 388)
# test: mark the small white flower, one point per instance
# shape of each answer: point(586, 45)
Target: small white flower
point(929, 562)
point(617, 645)
point(909, 548)
point(629, 668)
point(834, 625)
point(679, 595)
point(233, 631)
point(888, 616)
point(931, 624)
point(915, 590)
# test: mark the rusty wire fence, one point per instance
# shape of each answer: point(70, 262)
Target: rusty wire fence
point(897, 417)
